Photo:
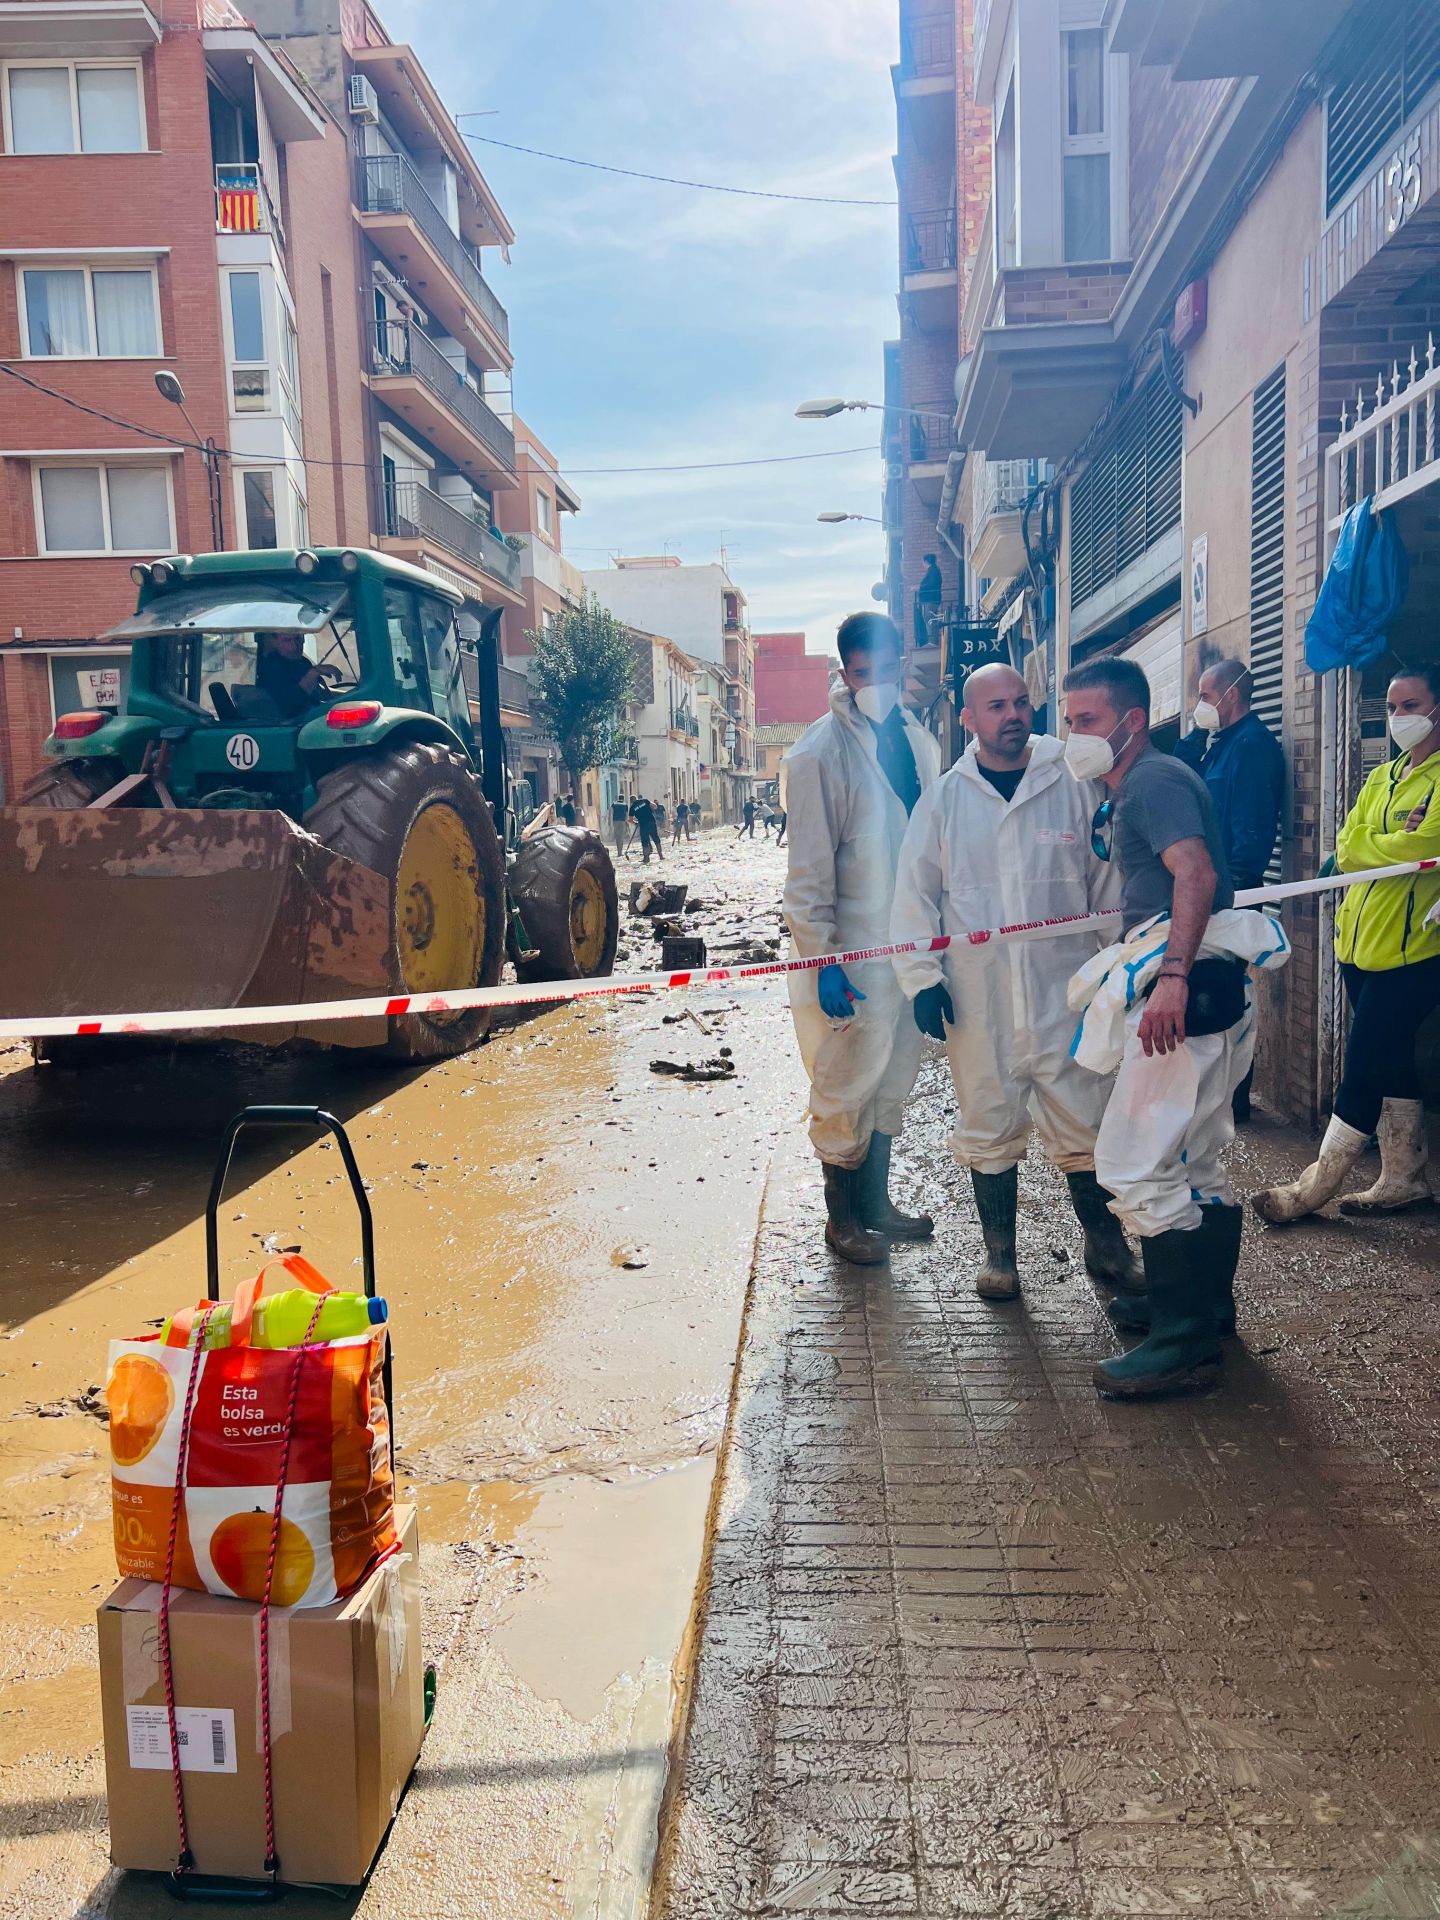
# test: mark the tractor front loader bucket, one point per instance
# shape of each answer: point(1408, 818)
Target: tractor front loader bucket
point(133, 910)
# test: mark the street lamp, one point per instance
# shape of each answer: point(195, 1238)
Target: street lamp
point(835, 519)
point(827, 409)
point(169, 388)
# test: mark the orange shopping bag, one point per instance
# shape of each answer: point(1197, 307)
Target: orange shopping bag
point(223, 1427)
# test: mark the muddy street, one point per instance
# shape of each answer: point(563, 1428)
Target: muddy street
point(981, 1643)
point(565, 1240)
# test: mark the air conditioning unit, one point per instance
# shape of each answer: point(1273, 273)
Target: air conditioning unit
point(364, 101)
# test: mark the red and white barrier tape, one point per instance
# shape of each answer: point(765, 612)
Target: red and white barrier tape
point(210, 1019)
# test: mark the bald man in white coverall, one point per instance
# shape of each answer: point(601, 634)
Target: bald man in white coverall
point(851, 781)
point(1005, 838)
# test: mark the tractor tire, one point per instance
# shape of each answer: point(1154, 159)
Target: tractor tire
point(416, 815)
point(70, 785)
point(563, 882)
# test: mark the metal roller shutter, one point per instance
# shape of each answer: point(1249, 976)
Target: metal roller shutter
point(1267, 559)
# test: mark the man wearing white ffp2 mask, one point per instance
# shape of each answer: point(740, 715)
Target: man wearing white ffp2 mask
point(851, 784)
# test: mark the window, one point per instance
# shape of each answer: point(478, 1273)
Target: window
point(290, 373)
point(442, 656)
point(1007, 209)
point(545, 513)
point(1085, 147)
point(74, 108)
point(85, 312)
point(258, 495)
point(1385, 68)
point(118, 509)
point(1128, 497)
point(247, 317)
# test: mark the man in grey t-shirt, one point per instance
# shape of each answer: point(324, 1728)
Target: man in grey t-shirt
point(1162, 1141)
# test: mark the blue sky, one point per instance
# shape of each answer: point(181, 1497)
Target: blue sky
point(654, 324)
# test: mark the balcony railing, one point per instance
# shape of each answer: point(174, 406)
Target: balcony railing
point(931, 436)
point(415, 512)
point(930, 242)
point(402, 348)
point(1003, 486)
point(928, 48)
point(389, 184)
point(243, 203)
point(514, 690)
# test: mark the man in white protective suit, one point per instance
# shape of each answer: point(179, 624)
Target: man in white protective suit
point(851, 783)
point(1004, 839)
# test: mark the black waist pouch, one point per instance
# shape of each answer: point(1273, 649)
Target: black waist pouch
point(1217, 996)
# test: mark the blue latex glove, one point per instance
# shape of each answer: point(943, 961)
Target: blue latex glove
point(933, 1011)
point(837, 996)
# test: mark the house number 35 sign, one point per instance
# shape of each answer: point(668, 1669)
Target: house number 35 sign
point(1404, 185)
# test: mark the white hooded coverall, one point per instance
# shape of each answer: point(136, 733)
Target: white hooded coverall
point(846, 825)
point(972, 860)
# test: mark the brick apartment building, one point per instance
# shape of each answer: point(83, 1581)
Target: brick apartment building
point(790, 684)
point(278, 210)
point(942, 170)
point(1213, 241)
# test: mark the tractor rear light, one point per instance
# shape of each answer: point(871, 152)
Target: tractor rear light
point(79, 726)
point(140, 574)
point(354, 713)
point(162, 573)
point(307, 562)
point(350, 561)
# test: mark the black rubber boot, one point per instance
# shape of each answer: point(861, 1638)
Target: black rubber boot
point(1108, 1259)
point(1220, 1229)
point(843, 1232)
point(1182, 1352)
point(873, 1206)
point(996, 1200)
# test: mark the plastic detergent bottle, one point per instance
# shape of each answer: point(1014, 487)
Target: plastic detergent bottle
point(282, 1318)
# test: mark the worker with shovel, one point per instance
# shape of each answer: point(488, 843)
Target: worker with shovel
point(852, 781)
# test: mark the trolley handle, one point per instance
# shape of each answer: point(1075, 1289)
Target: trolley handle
point(277, 1116)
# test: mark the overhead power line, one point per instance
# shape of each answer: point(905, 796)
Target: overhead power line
point(367, 466)
point(669, 180)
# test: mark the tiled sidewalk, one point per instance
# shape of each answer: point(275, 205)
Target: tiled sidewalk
point(980, 1644)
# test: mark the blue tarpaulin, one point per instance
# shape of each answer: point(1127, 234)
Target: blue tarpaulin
point(1363, 591)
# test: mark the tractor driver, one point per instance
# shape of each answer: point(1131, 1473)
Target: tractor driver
point(293, 682)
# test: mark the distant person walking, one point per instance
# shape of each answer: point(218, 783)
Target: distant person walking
point(679, 823)
point(928, 596)
point(747, 822)
point(567, 810)
point(692, 819)
point(642, 812)
point(784, 823)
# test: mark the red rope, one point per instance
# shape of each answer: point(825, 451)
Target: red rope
point(272, 1860)
point(186, 1858)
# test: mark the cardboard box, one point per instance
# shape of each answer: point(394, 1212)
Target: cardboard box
point(346, 1717)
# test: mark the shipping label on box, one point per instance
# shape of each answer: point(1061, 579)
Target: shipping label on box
point(204, 1735)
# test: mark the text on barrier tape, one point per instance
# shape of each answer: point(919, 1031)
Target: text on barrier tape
point(461, 999)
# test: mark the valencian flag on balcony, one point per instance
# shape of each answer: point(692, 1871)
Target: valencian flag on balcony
point(237, 202)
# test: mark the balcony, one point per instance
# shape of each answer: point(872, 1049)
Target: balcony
point(416, 517)
point(924, 82)
point(997, 539)
point(1224, 39)
point(243, 203)
point(396, 209)
point(411, 375)
point(514, 691)
point(930, 278)
point(930, 441)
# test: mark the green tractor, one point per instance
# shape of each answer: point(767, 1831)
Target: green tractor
point(295, 805)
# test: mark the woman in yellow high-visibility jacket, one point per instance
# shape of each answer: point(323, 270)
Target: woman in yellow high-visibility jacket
point(1390, 959)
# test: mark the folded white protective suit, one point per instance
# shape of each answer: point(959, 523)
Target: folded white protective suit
point(1107, 988)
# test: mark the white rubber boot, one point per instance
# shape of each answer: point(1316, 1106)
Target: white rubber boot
point(1321, 1180)
point(1404, 1151)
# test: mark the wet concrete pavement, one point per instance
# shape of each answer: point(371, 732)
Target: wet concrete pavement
point(981, 1644)
point(565, 1240)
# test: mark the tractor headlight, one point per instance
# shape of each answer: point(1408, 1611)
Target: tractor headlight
point(307, 562)
point(140, 574)
point(349, 561)
point(162, 573)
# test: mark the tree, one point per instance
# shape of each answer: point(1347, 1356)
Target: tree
point(583, 673)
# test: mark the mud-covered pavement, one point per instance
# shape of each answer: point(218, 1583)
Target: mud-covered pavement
point(981, 1644)
point(565, 1239)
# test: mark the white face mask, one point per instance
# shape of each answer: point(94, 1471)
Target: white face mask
point(877, 703)
point(1088, 756)
point(1207, 716)
point(1407, 730)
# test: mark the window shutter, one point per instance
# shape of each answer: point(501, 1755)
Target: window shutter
point(1267, 559)
point(1129, 495)
point(1384, 67)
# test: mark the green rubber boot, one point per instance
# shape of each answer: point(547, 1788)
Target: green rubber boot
point(996, 1201)
point(1220, 1230)
point(1182, 1352)
point(1108, 1259)
point(873, 1205)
